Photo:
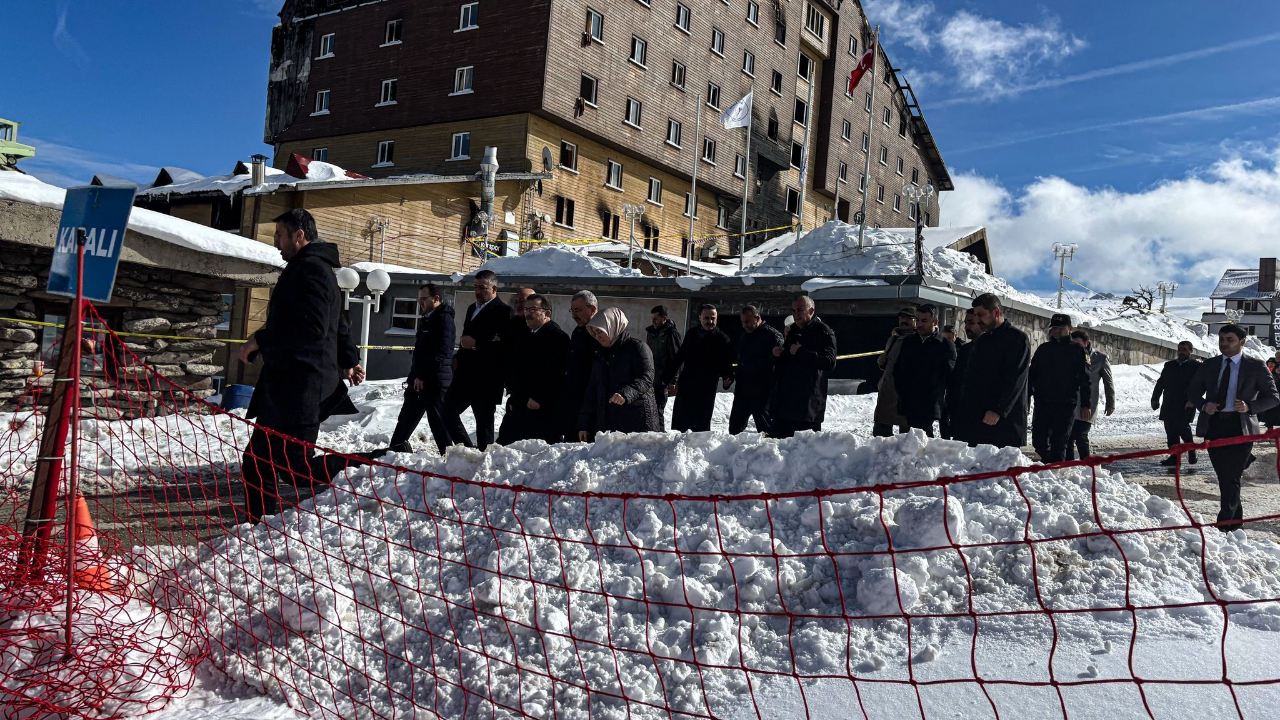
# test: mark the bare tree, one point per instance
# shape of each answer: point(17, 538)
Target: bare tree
point(1141, 300)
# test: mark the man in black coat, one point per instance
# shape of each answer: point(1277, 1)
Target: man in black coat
point(299, 349)
point(478, 373)
point(705, 360)
point(924, 368)
point(956, 423)
point(994, 394)
point(533, 385)
point(1170, 398)
point(663, 340)
point(754, 377)
point(578, 365)
point(1229, 391)
point(805, 361)
point(517, 330)
point(431, 373)
point(1059, 383)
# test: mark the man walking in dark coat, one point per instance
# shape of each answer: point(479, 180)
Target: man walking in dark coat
point(924, 368)
point(754, 377)
point(663, 340)
point(705, 357)
point(1170, 398)
point(578, 365)
point(1100, 385)
point(1059, 384)
point(516, 330)
point(995, 383)
point(956, 423)
point(1230, 390)
point(533, 384)
point(431, 373)
point(299, 349)
point(805, 361)
point(478, 374)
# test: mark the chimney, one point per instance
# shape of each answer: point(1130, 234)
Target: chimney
point(488, 182)
point(258, 173)
point(1267, 275)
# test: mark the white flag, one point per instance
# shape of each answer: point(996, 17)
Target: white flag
point(739, 115)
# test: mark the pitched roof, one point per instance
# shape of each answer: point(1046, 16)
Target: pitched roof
point(1238, 285)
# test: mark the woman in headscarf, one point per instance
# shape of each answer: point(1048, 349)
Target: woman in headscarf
point(619, 397)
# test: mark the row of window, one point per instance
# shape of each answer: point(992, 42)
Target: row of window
point(468, 19)
point(463, 79)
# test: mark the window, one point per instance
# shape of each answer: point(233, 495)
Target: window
point(639, 51)
point(461, 146)
point(915, 176)
point(682, 17)
point(651, 236)
point(776, 85)
point(815, 22)
point(321, 154)
point(897, 203)
point(866, 142)
point(802, 112)
point(674, 129)
point(853, 46)
point(613, 175)
point(868, 104)
point(844, 172)
point(690, 206)
point(805, 68)
point(753, 12)
point(568, 156)
point(793, 201)
point(902, 124)
point(880, 193)
point(748, 63)
point(388, 96)
point(677, 74)
point(564, 211)
point(927, 219)
point(587, 90)
point(634, 109)
point(322, 103)
point(404, 316)
point(393, 32)
point(780, 33)
point(229, 301)
point(797, 154)
point(470, 18)
point(722, 217)
point(326, 45)
point(609, 225)
point(595, 26)
point(845, 129)
point(773, 125)
point(713, 95)
point(462, 79)
point(655, 191)
point(709, 150)
point(885, 115)
point(740, 166)
point(717, 41)
point(386, 153)
point(884, 155)
point(862, 183)
point(899, 168)
point(911, 211)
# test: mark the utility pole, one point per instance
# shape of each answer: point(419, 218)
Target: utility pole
point(1063, 253)
point(632, 213)
point(804, 154)
point(915, 194)
point(1166, 291)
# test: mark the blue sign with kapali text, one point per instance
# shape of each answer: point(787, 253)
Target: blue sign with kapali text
point(103, 214)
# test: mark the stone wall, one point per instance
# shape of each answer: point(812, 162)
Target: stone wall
point(152, 301)
point(1119, 349)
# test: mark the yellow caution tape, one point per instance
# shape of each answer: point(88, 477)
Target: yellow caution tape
point(590, 241)
point(124, 334)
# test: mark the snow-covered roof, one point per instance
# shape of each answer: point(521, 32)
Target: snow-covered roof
point(934, 237)
point(556, 261)
point(1238, 285)
point(368, 267)
point(183, 233)
point(170, 175)
point(614, 248)
point(225, 184)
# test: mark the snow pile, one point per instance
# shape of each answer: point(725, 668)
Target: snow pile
point(1179, 324)
point(26, 189)
point(226, 184)
point(556, 261)
point(492, 590)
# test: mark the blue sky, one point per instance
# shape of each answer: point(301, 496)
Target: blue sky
point(1147, 131)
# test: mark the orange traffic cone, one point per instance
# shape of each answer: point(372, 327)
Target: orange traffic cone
point(90, 574)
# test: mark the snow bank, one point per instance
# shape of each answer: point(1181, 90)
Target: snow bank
point(26, 189)
point(556, 261)
point(511, 554)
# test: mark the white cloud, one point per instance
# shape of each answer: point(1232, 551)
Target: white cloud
point(66, 44)
point(1188, 230)
point(67, 166)
point(903, 21)
point(993, 57)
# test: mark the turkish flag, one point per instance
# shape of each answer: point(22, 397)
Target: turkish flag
point(865, 65)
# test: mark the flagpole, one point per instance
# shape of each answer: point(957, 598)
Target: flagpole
point(865, 181)
point(804, 155)
point(746, 180)
point(837, 213)
point(693, 189)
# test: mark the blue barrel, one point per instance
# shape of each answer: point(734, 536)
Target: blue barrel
point(236, 396)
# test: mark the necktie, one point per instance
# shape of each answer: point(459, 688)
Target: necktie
point(1224, 384)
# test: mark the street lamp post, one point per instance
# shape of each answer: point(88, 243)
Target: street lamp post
point(1167, 289)
point(632, 213)
point(915, 194)
point(1063, 253)
point(379, 282)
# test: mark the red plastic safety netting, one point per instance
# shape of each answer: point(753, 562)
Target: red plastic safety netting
point(650, 576)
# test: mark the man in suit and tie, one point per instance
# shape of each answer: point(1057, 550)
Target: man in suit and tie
point(478, 376)
point(1230, 391)
point(431, 374)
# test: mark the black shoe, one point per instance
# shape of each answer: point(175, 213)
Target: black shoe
point(1191, 457)
point(1170, 461)
point(403, 447)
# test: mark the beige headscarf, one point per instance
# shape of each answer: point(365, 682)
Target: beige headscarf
point(612, 321)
